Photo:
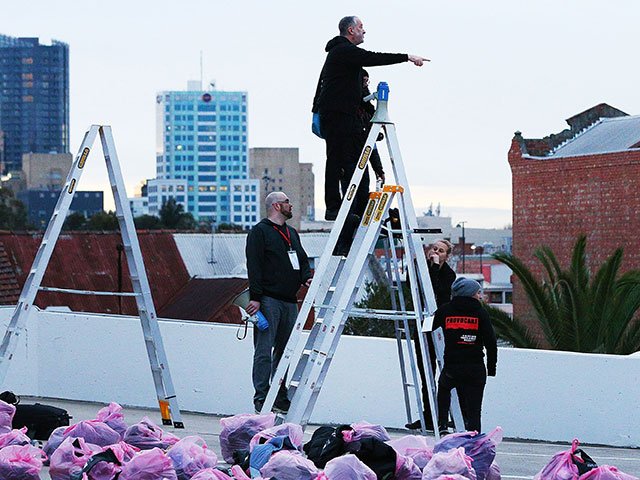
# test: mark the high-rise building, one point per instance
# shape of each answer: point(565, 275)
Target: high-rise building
point(202, 139)
point(280, 169)
point(34, 98)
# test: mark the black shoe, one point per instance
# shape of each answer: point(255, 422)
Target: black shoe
point(444, 431)
point(281, 406)
point(330, 215)
point(257, 405)
point(417, 426)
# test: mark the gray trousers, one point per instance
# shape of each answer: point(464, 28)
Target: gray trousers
point(269, 345)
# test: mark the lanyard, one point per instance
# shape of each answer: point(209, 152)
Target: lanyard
point(287, 237)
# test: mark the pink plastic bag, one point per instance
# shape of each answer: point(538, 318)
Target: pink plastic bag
point(293, 431)
point(20, 462)
point(189, 457)
point(451, 476)
point(112, 415)
point(406, 469)
point(237, 432)
point(561, 466)
point(211, 474)
point(348, 467)
point(14, 437)
point(445, 463)
point(149, 465)
point(289, 465)
point(70, 457)
point(606, 472)
point(7, 412)
point(147, 435)
point(55, 439)
point(106, 470)
point(419, 448)
point(480, 447)
point(93, 431)
point(365, 429)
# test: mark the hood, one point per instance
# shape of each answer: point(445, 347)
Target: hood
point(467, 303)
point(335, 41)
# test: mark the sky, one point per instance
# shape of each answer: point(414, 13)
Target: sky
point(496, 67)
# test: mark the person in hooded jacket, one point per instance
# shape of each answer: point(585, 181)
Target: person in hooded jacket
point(467, 332)
point(337, 100)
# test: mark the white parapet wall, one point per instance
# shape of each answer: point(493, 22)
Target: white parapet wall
point(537, 394)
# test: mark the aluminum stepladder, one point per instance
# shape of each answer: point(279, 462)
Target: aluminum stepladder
point(337, 280)
point(141, 291)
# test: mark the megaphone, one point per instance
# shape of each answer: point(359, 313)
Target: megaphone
point(382, 95)
point(242, 302)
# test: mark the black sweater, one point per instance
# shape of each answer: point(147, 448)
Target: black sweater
point(268, 266)
point(467, 329)
point(442, 277)
point(340, 84)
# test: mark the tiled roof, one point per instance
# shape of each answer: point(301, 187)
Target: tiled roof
point(89, 261)
point(605, 136)
point(9, 288)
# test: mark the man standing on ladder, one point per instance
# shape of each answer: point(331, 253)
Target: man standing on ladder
point(277, 266)
point(337, 100)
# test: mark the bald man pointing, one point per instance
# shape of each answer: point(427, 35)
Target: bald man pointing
point(337, 100)
point(277, 267)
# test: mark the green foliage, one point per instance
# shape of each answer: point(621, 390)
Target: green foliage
point(511, 329)
point(75, 221)
point(13, 213)
point(147, 222)
point(229, 227)
point(103, 221)
point(173, 216)
point(377, 297)
point(580, 312)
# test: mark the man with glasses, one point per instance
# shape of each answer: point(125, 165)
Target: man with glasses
point(277, 267)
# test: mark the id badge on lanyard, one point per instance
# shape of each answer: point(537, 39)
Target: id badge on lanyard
point(293, 258)
point(293, 255)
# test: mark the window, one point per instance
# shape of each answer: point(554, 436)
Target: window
point(206, 178)
point(508, 297)
point(205, 118)
point(237, 198)
point(237, 188)
point(206, 108)
point(207, 148)
point(495, 297)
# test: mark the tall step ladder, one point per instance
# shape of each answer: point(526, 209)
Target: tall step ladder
point(141, 291)
point(337, 281)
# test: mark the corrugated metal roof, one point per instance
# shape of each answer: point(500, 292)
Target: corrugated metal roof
point(605, 136)
point(89, 261)
point(228, 259)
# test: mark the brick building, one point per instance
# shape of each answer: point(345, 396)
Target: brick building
point(584, 180)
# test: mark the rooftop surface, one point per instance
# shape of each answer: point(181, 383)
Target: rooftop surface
point(517, 459)
point(604, 136)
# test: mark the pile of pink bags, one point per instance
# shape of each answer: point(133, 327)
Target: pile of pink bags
point(19, 460)
point(574, 464)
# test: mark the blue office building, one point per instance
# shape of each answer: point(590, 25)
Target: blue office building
point(34, 98)
point(41, 203)
point(201, 137)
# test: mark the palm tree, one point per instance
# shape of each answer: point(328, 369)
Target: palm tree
point(578, 312)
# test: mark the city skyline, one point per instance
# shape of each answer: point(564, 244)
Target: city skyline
point(495, 69)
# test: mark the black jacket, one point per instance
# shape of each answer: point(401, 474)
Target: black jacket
point(467, 329)
point(268, 266)
point(442, 277)
point(340, 85)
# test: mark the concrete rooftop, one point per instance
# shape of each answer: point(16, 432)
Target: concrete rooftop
point(517, 459)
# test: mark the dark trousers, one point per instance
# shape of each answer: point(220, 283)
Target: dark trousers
point(423, 376)
point(344, 142)
point(269, 345)
point(469, 381)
